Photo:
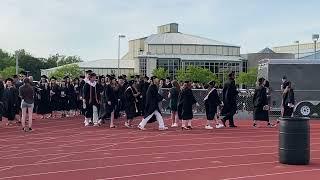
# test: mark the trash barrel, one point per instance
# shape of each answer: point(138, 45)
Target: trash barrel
point(294, 141)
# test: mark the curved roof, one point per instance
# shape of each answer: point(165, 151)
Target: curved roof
point(266, 51)
point(180, 38)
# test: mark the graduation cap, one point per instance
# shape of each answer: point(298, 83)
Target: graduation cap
point(88, 71)
point(15, 76)
point(92, 75)
point(82, 77)
point(23, 73)
point(76, 79)
point(153, 78)
point(196, 81)
point(102, 77)
point(112, 75)
point(112, 78)
point(124, 76)
point(120, 77)
point(66, 77)
point(132, 77)
point(53, 78)
point(44, 76)
point(212, 83)
point(168, 78)
point(8, 79)
point(187, 82)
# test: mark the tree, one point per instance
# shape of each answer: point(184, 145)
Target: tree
point(6, 60)
point(195, 73)
point(8, 72)
point(71, 70)
point(161, 73)
point(248, 79)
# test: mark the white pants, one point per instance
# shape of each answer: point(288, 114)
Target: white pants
point(158, 117)
point(95, 116)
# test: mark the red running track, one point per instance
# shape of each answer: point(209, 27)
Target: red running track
point(64, 149)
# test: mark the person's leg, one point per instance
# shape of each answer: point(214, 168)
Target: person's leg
point(95, 117)
point(112, 120)
point(145, 121)
point(88, 114)
point(160, 120)
point(30, 110)
point(190, 123)
point(183, 124)
point(23, 118)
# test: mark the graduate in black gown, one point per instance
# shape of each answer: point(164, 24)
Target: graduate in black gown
point(54, 96)
point(260, 103)
point(11, 101)
point(120, 97)
point(43, 91)
point(2, 106)
point(91, 99)
point(186, 101)
point(229, 94)
point(81, 85)
point(211, 102)
point(130, 100)
point(173, 104)
point(152, 105)
point(288, 100)
point(72, 96)
point(77, 90)
point(109, 102)
point(64, 99)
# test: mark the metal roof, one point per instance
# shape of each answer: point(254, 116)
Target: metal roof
point(196, 57)
point(180, 38)
point(104, 64)
point(290, 61)
point(266, 51)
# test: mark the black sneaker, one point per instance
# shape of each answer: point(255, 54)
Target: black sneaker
point(30, 129)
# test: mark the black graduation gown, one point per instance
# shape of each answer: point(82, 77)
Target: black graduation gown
point(260, 99)
point(64, 99)
point(229, 94)
point(2, 106)
point(77, 90)
point(130, 103)
point(55, 98)
point(152, 102)
point(288, 97)
point(44, 99)
point(174, 97)
point(211, 104)
point(11, 101)
point(94, 101)
point(108, 95)
point(186, 101)
point(72, 97)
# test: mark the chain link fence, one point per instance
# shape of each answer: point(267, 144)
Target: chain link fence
point(244, 103)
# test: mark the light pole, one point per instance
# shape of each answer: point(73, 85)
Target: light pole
point(17, 62)
point(120, 36)
point(297, 42)
point(315, 38)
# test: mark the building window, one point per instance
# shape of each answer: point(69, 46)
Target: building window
point(171, 65)
point(143, 66)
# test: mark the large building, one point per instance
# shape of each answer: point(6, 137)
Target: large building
point(254, 58)
point(173, 50)
point(300, 50)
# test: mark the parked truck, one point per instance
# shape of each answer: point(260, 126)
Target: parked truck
point(305, 78)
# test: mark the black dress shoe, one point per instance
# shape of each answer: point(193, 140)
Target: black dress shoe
point(233, 126)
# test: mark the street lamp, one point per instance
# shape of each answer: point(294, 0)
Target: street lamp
point(17, 62)
point(120, 36)
point(315, 38)
point(297, 42)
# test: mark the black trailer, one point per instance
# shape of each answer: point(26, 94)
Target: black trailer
point(305, 78)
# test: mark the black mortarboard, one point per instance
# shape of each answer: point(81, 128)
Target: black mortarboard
point(120, 77)
point(23, 73)
point(112, 78)
point(168, 78)
point(82, 77)
point(8, 79)
point(102, 77)
point(124, 76)
point(75, 79)
point(212, 83)
point(44, 76)
point(153, 77)
point(187, 82)
point(53, 78)
point(132, 77)
point(93, 74)
point(15, 76)
point(137, 76)
point(66, 77)
point(88, 71)
point(113, 75)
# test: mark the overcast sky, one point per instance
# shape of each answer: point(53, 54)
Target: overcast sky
point(89, 28)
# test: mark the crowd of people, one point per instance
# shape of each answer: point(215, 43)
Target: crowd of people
point(102, 99)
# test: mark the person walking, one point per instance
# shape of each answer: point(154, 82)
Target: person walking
point(26, 92)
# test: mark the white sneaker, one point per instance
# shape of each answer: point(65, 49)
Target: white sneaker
point(141, 128)
point(127, 125)
point(86, 124)
point(96, 125)
point(174, 125)
point(208, 127)
point(218, 126)
point(163, 129)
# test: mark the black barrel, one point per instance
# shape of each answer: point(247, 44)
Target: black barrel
point(294, 141)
